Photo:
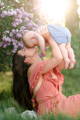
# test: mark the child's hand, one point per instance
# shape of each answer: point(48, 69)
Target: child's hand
point(67, 63)
point(43, 53)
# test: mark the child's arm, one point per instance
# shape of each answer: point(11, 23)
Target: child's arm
point(41, 42)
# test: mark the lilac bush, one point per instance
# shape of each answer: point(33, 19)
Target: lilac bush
point(13, 23)
point(17, 21)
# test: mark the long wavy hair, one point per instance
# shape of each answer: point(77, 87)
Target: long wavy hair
point(20, 88)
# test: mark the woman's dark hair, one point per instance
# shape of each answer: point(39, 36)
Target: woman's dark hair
point(20, 89)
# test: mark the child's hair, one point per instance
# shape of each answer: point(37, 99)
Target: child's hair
point(20, 88)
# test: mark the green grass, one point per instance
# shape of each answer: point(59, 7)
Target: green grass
point(6, 97)
point(71, 82)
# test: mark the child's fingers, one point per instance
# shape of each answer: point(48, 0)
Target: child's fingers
point(66, 66)
point(42, 29)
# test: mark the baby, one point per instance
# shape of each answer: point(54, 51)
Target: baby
point(48, 34)
point(62, 36)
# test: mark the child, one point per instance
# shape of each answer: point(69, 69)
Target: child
point(48, 34)
point(62, 36)
point(32, 39)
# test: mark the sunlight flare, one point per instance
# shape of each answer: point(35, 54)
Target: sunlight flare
point(54, 9)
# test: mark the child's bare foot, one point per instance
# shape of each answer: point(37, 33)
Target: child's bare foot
point(72, 64)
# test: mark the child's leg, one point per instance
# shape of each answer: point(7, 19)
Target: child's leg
point(64, 54)
point(71, 55)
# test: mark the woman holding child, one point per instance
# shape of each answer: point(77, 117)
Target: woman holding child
point(43, 78)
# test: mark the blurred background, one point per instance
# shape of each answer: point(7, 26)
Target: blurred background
point(18, 16)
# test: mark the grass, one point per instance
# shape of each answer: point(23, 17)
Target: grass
point(72, 82)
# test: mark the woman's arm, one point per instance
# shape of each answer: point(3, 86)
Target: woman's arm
point(43, 31)
point(47, 65)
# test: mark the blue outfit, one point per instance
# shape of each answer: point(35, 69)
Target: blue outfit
point(59, 34)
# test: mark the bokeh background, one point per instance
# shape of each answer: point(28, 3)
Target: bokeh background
point(18, 16)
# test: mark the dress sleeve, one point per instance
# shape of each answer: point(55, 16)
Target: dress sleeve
point(36, 74)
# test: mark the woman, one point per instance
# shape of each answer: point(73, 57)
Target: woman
point(45, 81)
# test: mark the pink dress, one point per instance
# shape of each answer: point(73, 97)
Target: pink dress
point(49, 98)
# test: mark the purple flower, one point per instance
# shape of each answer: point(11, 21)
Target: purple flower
point(14, 24)
point(21, 23)
point(6, 39)
point(5, 44)
point(20, 44)
point(19, 35)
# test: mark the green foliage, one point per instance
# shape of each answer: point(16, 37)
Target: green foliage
point(72, 17)
point(72, 77)
point(5, 58)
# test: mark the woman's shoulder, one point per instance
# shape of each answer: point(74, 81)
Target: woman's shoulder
point(39, 67)
point(34, 68)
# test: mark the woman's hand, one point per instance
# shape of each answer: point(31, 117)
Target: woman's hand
point(28, 60)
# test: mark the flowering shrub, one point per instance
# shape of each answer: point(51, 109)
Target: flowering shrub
point(13, 23)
